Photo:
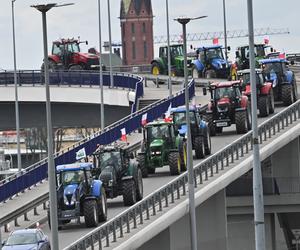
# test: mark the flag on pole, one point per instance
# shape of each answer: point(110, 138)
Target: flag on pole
point(144, 119)
point(123, 134)
point(216, 41)
point(168, 113)
point(80, 154)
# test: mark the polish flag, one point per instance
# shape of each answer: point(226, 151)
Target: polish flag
point(281, 55)
point(144, 119)
point(216, 41)
point(168, 114)
point(266, 40)
point(123, 134)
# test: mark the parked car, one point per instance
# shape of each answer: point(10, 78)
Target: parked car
point(26, 239)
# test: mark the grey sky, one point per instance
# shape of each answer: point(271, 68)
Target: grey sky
point(81, 20)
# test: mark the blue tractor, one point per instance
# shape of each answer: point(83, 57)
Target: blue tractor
point(78, 194)
point(201, 141)
point(282, 78)
point(210, 63)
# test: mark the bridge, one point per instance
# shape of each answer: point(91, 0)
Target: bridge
point(160, 217)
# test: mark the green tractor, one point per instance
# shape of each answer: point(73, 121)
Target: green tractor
point(159, 66)
point(162, 146)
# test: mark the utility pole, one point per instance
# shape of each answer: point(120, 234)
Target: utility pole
point(225, 29)
point(169, 53)
point(110, 47)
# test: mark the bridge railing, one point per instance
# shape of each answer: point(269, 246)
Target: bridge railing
point(160, 200)
point(38, 172)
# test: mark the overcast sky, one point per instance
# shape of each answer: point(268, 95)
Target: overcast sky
point(81, 20)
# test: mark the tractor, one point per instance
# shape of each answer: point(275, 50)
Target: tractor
point(162, 146)
point(227, 106)
point(119, 172)
point(66, 55)
point(282, 78)
point(159, 66)
point(201, 142)
point(210, 63)
point(242, 55)
point(78, 194)
point(265, 95)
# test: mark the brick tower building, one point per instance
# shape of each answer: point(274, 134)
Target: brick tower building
point(137, 31)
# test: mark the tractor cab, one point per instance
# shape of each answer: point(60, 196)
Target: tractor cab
point(244, 76)
point(275, 68)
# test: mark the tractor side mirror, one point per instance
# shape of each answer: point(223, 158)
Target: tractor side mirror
point(237, 54)
point(191, 46)
point(204, 91)
point(228, 48)
point(131, 155)
point(86, 42)
point(271, 49)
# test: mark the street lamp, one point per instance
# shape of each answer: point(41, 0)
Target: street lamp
point(43, 8)
point(225, 29)
point(169, 54)
point(16, 90)
point(110, 48)
point(102, 124)
point(193, 229)
point(257, 176)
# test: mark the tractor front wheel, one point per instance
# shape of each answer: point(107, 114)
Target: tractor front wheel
point(174, 163)
point(102, 206)
point(263, 106)
point(271, 102)
point(142, 162)
point(241, 122)
point(211, 126)
point(287, 94)
point(183, 155)
point(199, 147)
point(129, 192)
point(90, 212)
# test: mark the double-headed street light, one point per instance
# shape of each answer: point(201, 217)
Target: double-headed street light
point(193, 229)
point(16, 90)
point(43, 8)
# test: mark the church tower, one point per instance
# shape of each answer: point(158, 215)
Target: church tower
point(137, 31)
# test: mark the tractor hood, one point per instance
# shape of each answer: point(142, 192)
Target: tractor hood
point(70, 189)
point(223, 101)
point(157, 143)
point(87, 55)
point(219, 63)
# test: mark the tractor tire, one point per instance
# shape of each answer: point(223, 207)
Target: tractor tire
point(151, 170)
point(287, 94)
point(129, 192)
point(211, 126)
point(52, 66)
point(210, 74)
point(90, 212)
point(155, 69)
point(241, 122)
point(142, 162)
point(195, 73)
point(76, 67)
point(219, 130)
point(183, 155)
point(263, 103)
point(49, 221)
point(271, 102)
point(207, 143)
point(295, 90)
point(199, 147)
point(102, 206)
point(139, 185)
point(174, 163)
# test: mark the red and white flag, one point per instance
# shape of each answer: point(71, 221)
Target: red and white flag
point(281, 55)
point(168, 113)
point(266, 40)
point(123, 134)
point(216, 41)
point(144, 119)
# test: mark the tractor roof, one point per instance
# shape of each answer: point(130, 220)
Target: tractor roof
point(63, 41)
point(113, 147)
point(74, 166)
point(209, 47)
point(273, 60)
point(224, 84)
point(247, 71)
point(159, 123)
point(255, 45)
point(182, 109)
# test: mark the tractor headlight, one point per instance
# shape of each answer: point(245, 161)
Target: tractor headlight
point(110, 183)
point(73, 200)
point(66, 200)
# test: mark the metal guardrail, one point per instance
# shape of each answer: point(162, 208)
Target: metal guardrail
point(159, 200)
point(37, 172)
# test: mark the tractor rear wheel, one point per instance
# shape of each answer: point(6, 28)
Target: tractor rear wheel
point(174, 163)
point(271, 102)
point(241, 122)
point(263, 105)
point(287, 94)
point(199, 147)
point(155, 69)
point(90, 213)
point(139, 185)
point(142, 162)
point(211, 126)
point(207, 143)
point(102, 206)
point(129, 192)
point(183, 155)
point(219, 130)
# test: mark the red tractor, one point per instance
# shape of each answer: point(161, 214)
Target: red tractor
point(227, 106)
point(66, 55)
point(265, 95)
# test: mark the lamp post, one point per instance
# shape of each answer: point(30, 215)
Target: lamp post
point(16, 90)
point(110, 48)
point(225, 29)
point(43, 8)
point(257, 177)
point(169, 54)
point(192, 214)
point(102, 124)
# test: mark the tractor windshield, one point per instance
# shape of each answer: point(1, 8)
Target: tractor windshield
point(158, 132)
point(71, 177)
point(225, 92)
point(216, 53)
point(272, 68)
point(179, 118)
point(246, 78)
point(259, 50)
point(176, 51)
point(111, 158)
point(73, 47)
